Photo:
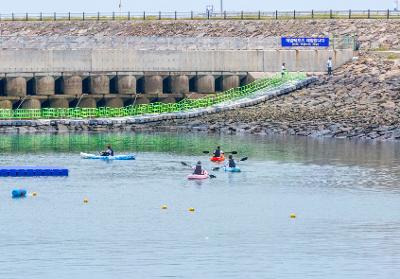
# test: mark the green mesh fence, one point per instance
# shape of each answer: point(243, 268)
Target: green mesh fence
point(153, 108)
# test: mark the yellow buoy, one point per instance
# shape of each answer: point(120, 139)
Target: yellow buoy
point(164, 207)
point(34, 194)
point(85, 200)
point(191, 209)
point(292, 215)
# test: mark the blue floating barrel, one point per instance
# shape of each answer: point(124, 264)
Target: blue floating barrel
point(18, 193)
point(33, 171)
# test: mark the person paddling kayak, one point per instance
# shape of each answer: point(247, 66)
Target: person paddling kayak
point(198, 169)
point(218, 152)
point(109, 151)
point(231, 162)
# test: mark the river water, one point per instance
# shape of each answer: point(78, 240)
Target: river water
point(346, 197)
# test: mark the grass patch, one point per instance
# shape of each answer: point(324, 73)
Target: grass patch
point(392, 56)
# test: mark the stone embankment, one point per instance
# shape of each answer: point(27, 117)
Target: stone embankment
point(372, 33)
point(360, 101)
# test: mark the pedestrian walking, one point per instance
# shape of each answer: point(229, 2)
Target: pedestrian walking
point(283, 69)
point(329, 64)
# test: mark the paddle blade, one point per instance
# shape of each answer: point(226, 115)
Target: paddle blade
point(185, 164)
point(244, 159)
point(212, 176)
point(233, 152)
point(216, 169)
point(206, 152)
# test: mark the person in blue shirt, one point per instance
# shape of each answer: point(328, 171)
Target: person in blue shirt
point(218, 152)
point(231, 162)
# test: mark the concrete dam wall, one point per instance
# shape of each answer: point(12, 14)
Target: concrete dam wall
point(131, 60)
point(48, 71)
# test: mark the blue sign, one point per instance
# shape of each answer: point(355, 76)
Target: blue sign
point(305, 42)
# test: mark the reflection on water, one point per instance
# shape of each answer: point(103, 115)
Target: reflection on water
point(345, 194)
point(306, 150)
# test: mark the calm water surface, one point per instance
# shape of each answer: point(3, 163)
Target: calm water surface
point(346, 196)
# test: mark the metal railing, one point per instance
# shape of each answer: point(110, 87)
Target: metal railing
point(153, 108)
point(226, 15)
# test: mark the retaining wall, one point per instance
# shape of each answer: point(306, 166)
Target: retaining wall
point(14, 61)
point(126, 123)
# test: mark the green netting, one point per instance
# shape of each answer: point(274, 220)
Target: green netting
point(153, 108)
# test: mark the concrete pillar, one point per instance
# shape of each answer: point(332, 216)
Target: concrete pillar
point(114, 103)
point(126, 85)
point(87, 103)
point(6, 104)
point(142, 100)
point(45, 85)
point(100, 84)
point(179, 84)
point(16, 86)
point(153, 84)
point(250, 78)
point(73, 85)
point(229, 82)
point(31, 104)
point(205, 84)
point(59, 103)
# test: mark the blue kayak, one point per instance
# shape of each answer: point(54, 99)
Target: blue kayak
point(235, 169)
point(99, 157)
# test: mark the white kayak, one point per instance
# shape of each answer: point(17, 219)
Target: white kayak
point(99, 157)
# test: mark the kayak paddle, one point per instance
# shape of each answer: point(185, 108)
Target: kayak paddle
point(232, 152)
point(185, 164)
point(212, 176)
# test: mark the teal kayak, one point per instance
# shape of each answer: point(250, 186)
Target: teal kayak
point(235, 169)
point(99, 157)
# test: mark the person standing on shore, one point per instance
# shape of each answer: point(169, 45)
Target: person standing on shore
point(283, 70)
point(329, 64)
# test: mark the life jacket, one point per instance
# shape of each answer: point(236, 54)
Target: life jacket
point(198, 170)
point(217, 153)
point(232, 163)
point(108, 152)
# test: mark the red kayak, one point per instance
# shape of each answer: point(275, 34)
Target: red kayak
point(218, 159)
